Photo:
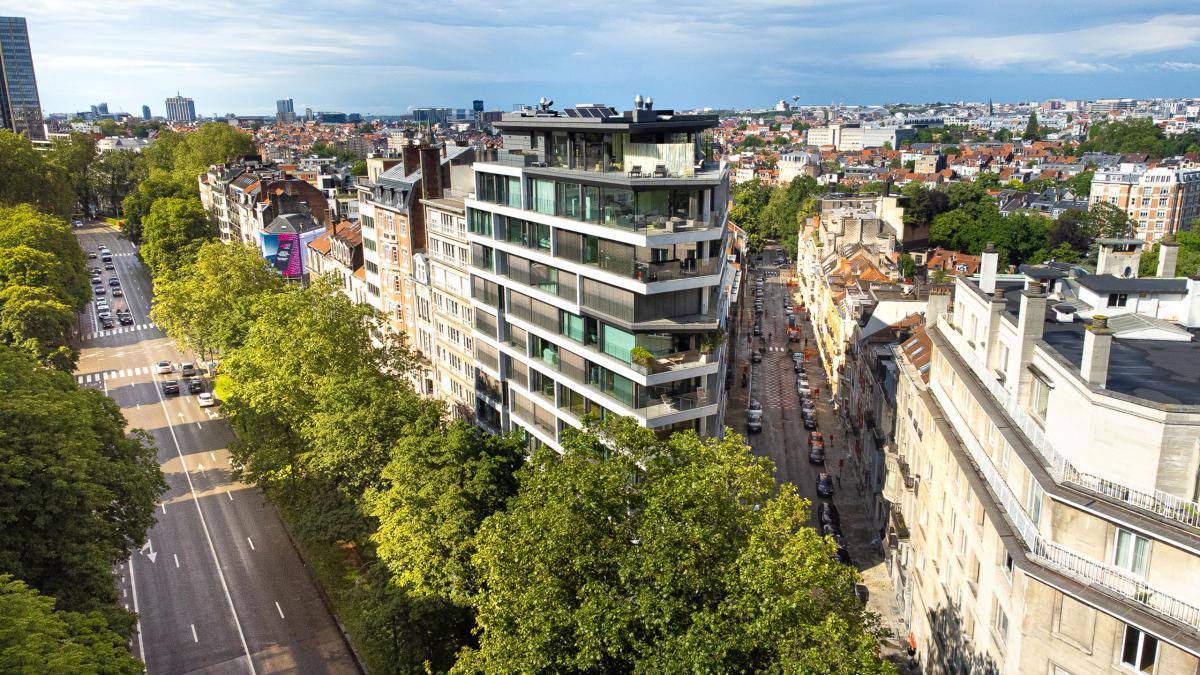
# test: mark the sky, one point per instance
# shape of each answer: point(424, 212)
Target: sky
point(387, 57)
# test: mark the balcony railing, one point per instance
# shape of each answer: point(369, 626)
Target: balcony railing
point(667, 404)
point(665, 270)
point(1052, 554)
point(675, 361)
point(1166, 505)
point(649, 160)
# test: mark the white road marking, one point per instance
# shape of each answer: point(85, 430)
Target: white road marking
point(280, 609)
point(164, 507)
point(176, 557)
point(196, 638)
point(229, 494)
point(237, 623)
point(251, 543)
point(210, 455)
point(133, 587)
point(198, 426)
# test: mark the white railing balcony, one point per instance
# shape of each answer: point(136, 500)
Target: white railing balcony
point(1050, 553)
point(1168, 506)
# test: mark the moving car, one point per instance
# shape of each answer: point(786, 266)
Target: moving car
point(95, 271)
point(824, 485)
point(754, 420)
point(125, 319)
point(109, 266)
point(103, 313)
point(206, 400)
point(164, 368)
point(118, 293)
point(100, 290)
point(106, 322)
point(188, 369)
point(113, 281)
point(91, 255)
point(756, 356)
point(195, 385)
point(170, 387)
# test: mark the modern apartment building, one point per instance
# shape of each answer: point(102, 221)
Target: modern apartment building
point(181, 109)
point(20, 106)
point(1159, 201)
point(853, 137)
point(599, 243)
point(1043, 482)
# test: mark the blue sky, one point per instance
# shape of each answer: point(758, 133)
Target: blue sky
point(385, 57)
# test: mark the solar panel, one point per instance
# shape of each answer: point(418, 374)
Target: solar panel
point(571, 112)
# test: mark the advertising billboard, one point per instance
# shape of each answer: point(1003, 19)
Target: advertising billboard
point(283, 253)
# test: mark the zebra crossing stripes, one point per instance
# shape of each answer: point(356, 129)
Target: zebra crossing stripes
point(96, 378)
point(117, 331)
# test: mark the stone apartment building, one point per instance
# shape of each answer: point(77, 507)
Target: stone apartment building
point(1160, 201)
point(242, 198)
point(1043, 485)
point(448, 317)
point(600, 284)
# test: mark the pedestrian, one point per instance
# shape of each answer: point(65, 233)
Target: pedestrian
point(841, 462)
point(831, 440)
point(838, 478)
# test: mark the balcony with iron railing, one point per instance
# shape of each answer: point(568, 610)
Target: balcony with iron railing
point(1049, 553)
point(1171, 507)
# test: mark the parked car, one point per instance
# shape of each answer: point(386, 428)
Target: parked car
point(118, 293)
point(187, 369)
point(758, 330)
point(756, 356)
point(195, 385)
point(95, 271)
point(798, 357)
point(824, 485)
point(91, 255)
point(164, 368)
point(106, 322)
point(828, 513)
point(816, 454)
point(810, 421)
point(170, 386)
point(206, 400)
point(109, 266)
point(802, 390)
point(113, 281)
point(816, 438)
point(104, 313)
point(797, 366)
point(125, 319)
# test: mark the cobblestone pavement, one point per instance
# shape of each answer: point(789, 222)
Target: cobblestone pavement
point(785, 441)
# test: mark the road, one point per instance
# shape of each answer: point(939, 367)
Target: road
point(219, 587)
point(785, 441)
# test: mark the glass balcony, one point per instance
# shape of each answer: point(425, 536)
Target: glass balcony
point(670, 404)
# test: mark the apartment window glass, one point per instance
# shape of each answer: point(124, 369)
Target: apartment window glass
point(479, 222)
point(1131, 552)
point(1033, 501)
point(514, 192)
point(591, 204)
point(1140, 650)
point(542, 194)
point(546, 351)
point(616, 342)
point(1117, 299)
point(572, 326)
point(569, 203)
point(1000, 623)
point(1040, 400)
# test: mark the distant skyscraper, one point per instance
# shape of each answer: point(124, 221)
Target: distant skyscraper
point(100, 109)
point(20, 107)
point(477, 105)
point(181, 109)
point(284, 105)
point(308, 114)
point(145, 112)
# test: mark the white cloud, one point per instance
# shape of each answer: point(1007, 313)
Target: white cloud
point(1180, 66)
point(1085, 50)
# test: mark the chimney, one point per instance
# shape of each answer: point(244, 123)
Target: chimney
point(431, 172)
point(1168, 254)
point(411, 158)
point(987, 268)
point(996, 306)
point(1097, 345)
point(1030, 323)
point(937, 305)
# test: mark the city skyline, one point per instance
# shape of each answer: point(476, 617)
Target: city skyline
point(722, 55)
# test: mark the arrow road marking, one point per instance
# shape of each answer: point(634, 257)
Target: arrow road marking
point(149, 551)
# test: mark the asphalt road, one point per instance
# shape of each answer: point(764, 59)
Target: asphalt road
point(219, 588)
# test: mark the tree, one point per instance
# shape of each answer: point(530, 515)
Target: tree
point(30, 179)
point(1070, 229)
point(37, 638)
point(212, 143)
point(442, 482)
point(24, 226)
point(75, 155)
point(632, 554)
point(1187, 264)
point(359, 168)
point(908, 266)
point(115, 174)
point(110, 128)
point(342, 155)
point(172, 233)
point(1107, 221)
point(36, 322)
point(1003, 135)
point(209, 304)
point(136, 205)
point(1136, 135)
point(1032, 133)
point(1080, 184)
point(161, 153)
point(80, 492)
point(922, 204)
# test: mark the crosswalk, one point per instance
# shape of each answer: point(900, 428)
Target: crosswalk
point(96, 378)
point(92, 335)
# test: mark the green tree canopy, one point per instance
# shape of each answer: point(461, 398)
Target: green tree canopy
point(342, 155)
point(29, 179)
point(209, 304)
point(24, 226)
point(632, 554)
point(1187, 264)
point(922, 204)
point(1137, 135)
point(75, 154)
point(136, 205)
point(359, 168)
point(35, 321)
point(37, 638)
point(212, 143)
point(172, 233)
point(1032, 132)
point(80, 491)
point(115, 174)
